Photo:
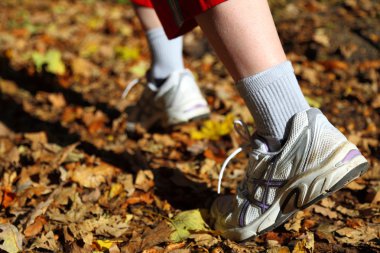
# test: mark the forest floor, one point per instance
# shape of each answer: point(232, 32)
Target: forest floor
point(72, 180)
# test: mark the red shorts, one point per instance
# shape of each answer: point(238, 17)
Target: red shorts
point(178, 16)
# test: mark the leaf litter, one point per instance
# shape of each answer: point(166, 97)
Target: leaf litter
point(72, 180)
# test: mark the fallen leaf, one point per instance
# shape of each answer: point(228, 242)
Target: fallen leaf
point(52, 60)
point(36, 227)
point(321, 37)
point(186, 222)
point(282, 249)
point(106, 244)
point(204, 240)
point(355, 186)
point(295, 223)
point(144, 180)
point(92, 176)
point(116, 189)
point(348, 212)
point(306, 245)
point(325, 212)
point(82, 67)
point(159, 234)
point(127, 53)
point(213, 130)
point(57, 100)
point(11, 238)
point(47, 242)
point(314, 102)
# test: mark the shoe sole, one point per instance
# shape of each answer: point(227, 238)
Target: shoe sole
point(353, 174)
point(193, 115)
point(300, 189)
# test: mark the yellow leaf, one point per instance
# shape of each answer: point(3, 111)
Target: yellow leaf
point(127, 53)
point(306, 245)
point(314, 102)
point(213, 130)
point(186, 222)
point(116, 189)
point(139, 69)
point(106, 244)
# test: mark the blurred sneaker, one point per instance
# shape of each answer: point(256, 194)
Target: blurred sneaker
point(177, 100)
point(315, 161)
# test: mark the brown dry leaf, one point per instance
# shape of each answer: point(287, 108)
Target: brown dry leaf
point(41, 208)
point(327, 202)
point(46, 241)
point(334, 64)
point(321, 37)
point(67, 154)
point(39, 137)
point(8, 151)
point(376, 199)
point(361, 234)
point(164, 139)
point(306, 245)
point(114, 249)
point(82, 67)
point(282, 249)
point(325, 212)
point(57, 100)
point(127, 181)
point(204, 240)
point(140, 197)
point(11, 238)
point(294, 224)
point(354, 186)
point(36, 227)
point(175, 246)
point(144, 180)
point(355, 223)
point(92, 176)
point(348, 212)
point(4, 130)
point(159, 234)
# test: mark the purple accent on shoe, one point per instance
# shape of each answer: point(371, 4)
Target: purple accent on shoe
point(262, 205)
point(195, 107)
point(243, 212)
point(266, 184)
point(351, 155)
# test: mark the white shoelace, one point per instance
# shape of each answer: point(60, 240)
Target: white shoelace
point(129, 87)
point(242, 129)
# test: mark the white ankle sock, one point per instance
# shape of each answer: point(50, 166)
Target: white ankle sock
point(166, 54)
point(273, 97)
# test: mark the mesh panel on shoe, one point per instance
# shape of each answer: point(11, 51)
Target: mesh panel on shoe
point(282, 173)
point(300, 121)
point(233, 217)
point(259, 193)
point(253, 213)
point(326, 140)
point(271, 195)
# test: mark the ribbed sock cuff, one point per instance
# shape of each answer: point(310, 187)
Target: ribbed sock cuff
point(273, 97)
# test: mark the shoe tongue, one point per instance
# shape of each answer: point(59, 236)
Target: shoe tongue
point(259, 144)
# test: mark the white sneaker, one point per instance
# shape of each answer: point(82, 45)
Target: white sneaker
point(315, 161)
point(178, 100)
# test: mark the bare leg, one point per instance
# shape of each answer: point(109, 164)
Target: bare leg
point(147, 17)
point(243, 35)
point(245, 38)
